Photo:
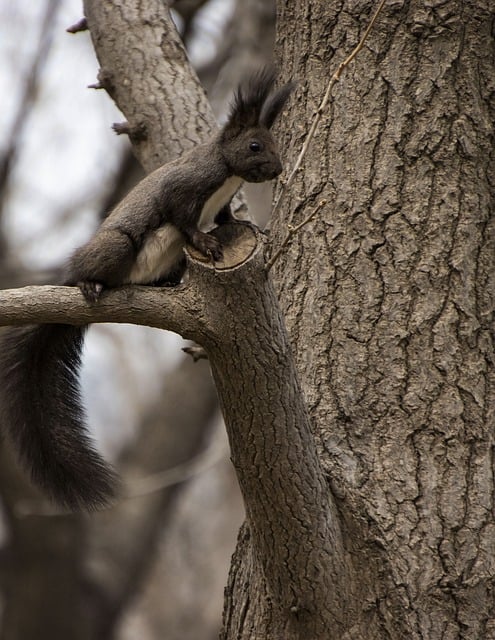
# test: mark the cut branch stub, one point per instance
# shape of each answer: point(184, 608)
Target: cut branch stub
point(238, 241)
point(294, 529)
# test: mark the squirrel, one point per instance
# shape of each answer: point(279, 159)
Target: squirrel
point(140, 242)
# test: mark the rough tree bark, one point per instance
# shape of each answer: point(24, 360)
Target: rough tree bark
point(144, 68)
point(389, 301)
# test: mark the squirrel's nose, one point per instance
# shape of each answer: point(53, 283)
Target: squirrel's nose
point(277, 168)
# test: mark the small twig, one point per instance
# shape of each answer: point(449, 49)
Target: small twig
point(323, 104)
point(196, 353)
point(292, 232)
point(80, 25)
point(136, 133)
point(121, 128)
point(104, 81)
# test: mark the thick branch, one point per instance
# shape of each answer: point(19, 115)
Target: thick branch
point(149, 77)
point(293, 522)
point(162, 308)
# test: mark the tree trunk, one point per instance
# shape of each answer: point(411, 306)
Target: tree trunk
point(371, 517)
point(389, 302)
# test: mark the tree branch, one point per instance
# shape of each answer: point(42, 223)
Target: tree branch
point(293, 522)
point(180, 309)
point(154, 307)
point(148, 75)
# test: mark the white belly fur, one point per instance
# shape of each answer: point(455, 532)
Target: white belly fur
point(162, 249)
point(216, 201)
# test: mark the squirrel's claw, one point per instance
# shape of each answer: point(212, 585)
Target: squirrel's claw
point(91, 290)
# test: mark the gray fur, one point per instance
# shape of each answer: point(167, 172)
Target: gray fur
point(141, 241)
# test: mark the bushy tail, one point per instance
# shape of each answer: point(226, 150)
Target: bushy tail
point(40, 409)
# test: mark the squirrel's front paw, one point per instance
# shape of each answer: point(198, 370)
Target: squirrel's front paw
point(208, 245)
point(91, 290)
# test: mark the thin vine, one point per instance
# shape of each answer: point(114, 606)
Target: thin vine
point(311, 133)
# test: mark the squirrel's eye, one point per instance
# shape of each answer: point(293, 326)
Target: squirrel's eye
point(255, 146)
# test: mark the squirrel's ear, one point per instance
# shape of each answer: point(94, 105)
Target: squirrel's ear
point(275, 104)
point(248, 102)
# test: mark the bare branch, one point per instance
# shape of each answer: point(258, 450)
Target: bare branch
point(162, 308)
point(28, 95)
point(157, 87)
point(96, 85)
point(136, 133)
point(179, 309)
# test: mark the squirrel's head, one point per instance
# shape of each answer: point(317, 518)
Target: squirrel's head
point(246, 141)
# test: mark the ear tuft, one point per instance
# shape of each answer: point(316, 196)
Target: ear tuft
point(275, 104)
point(249, 98)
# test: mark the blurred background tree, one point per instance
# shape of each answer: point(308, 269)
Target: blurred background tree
point(159, 560)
